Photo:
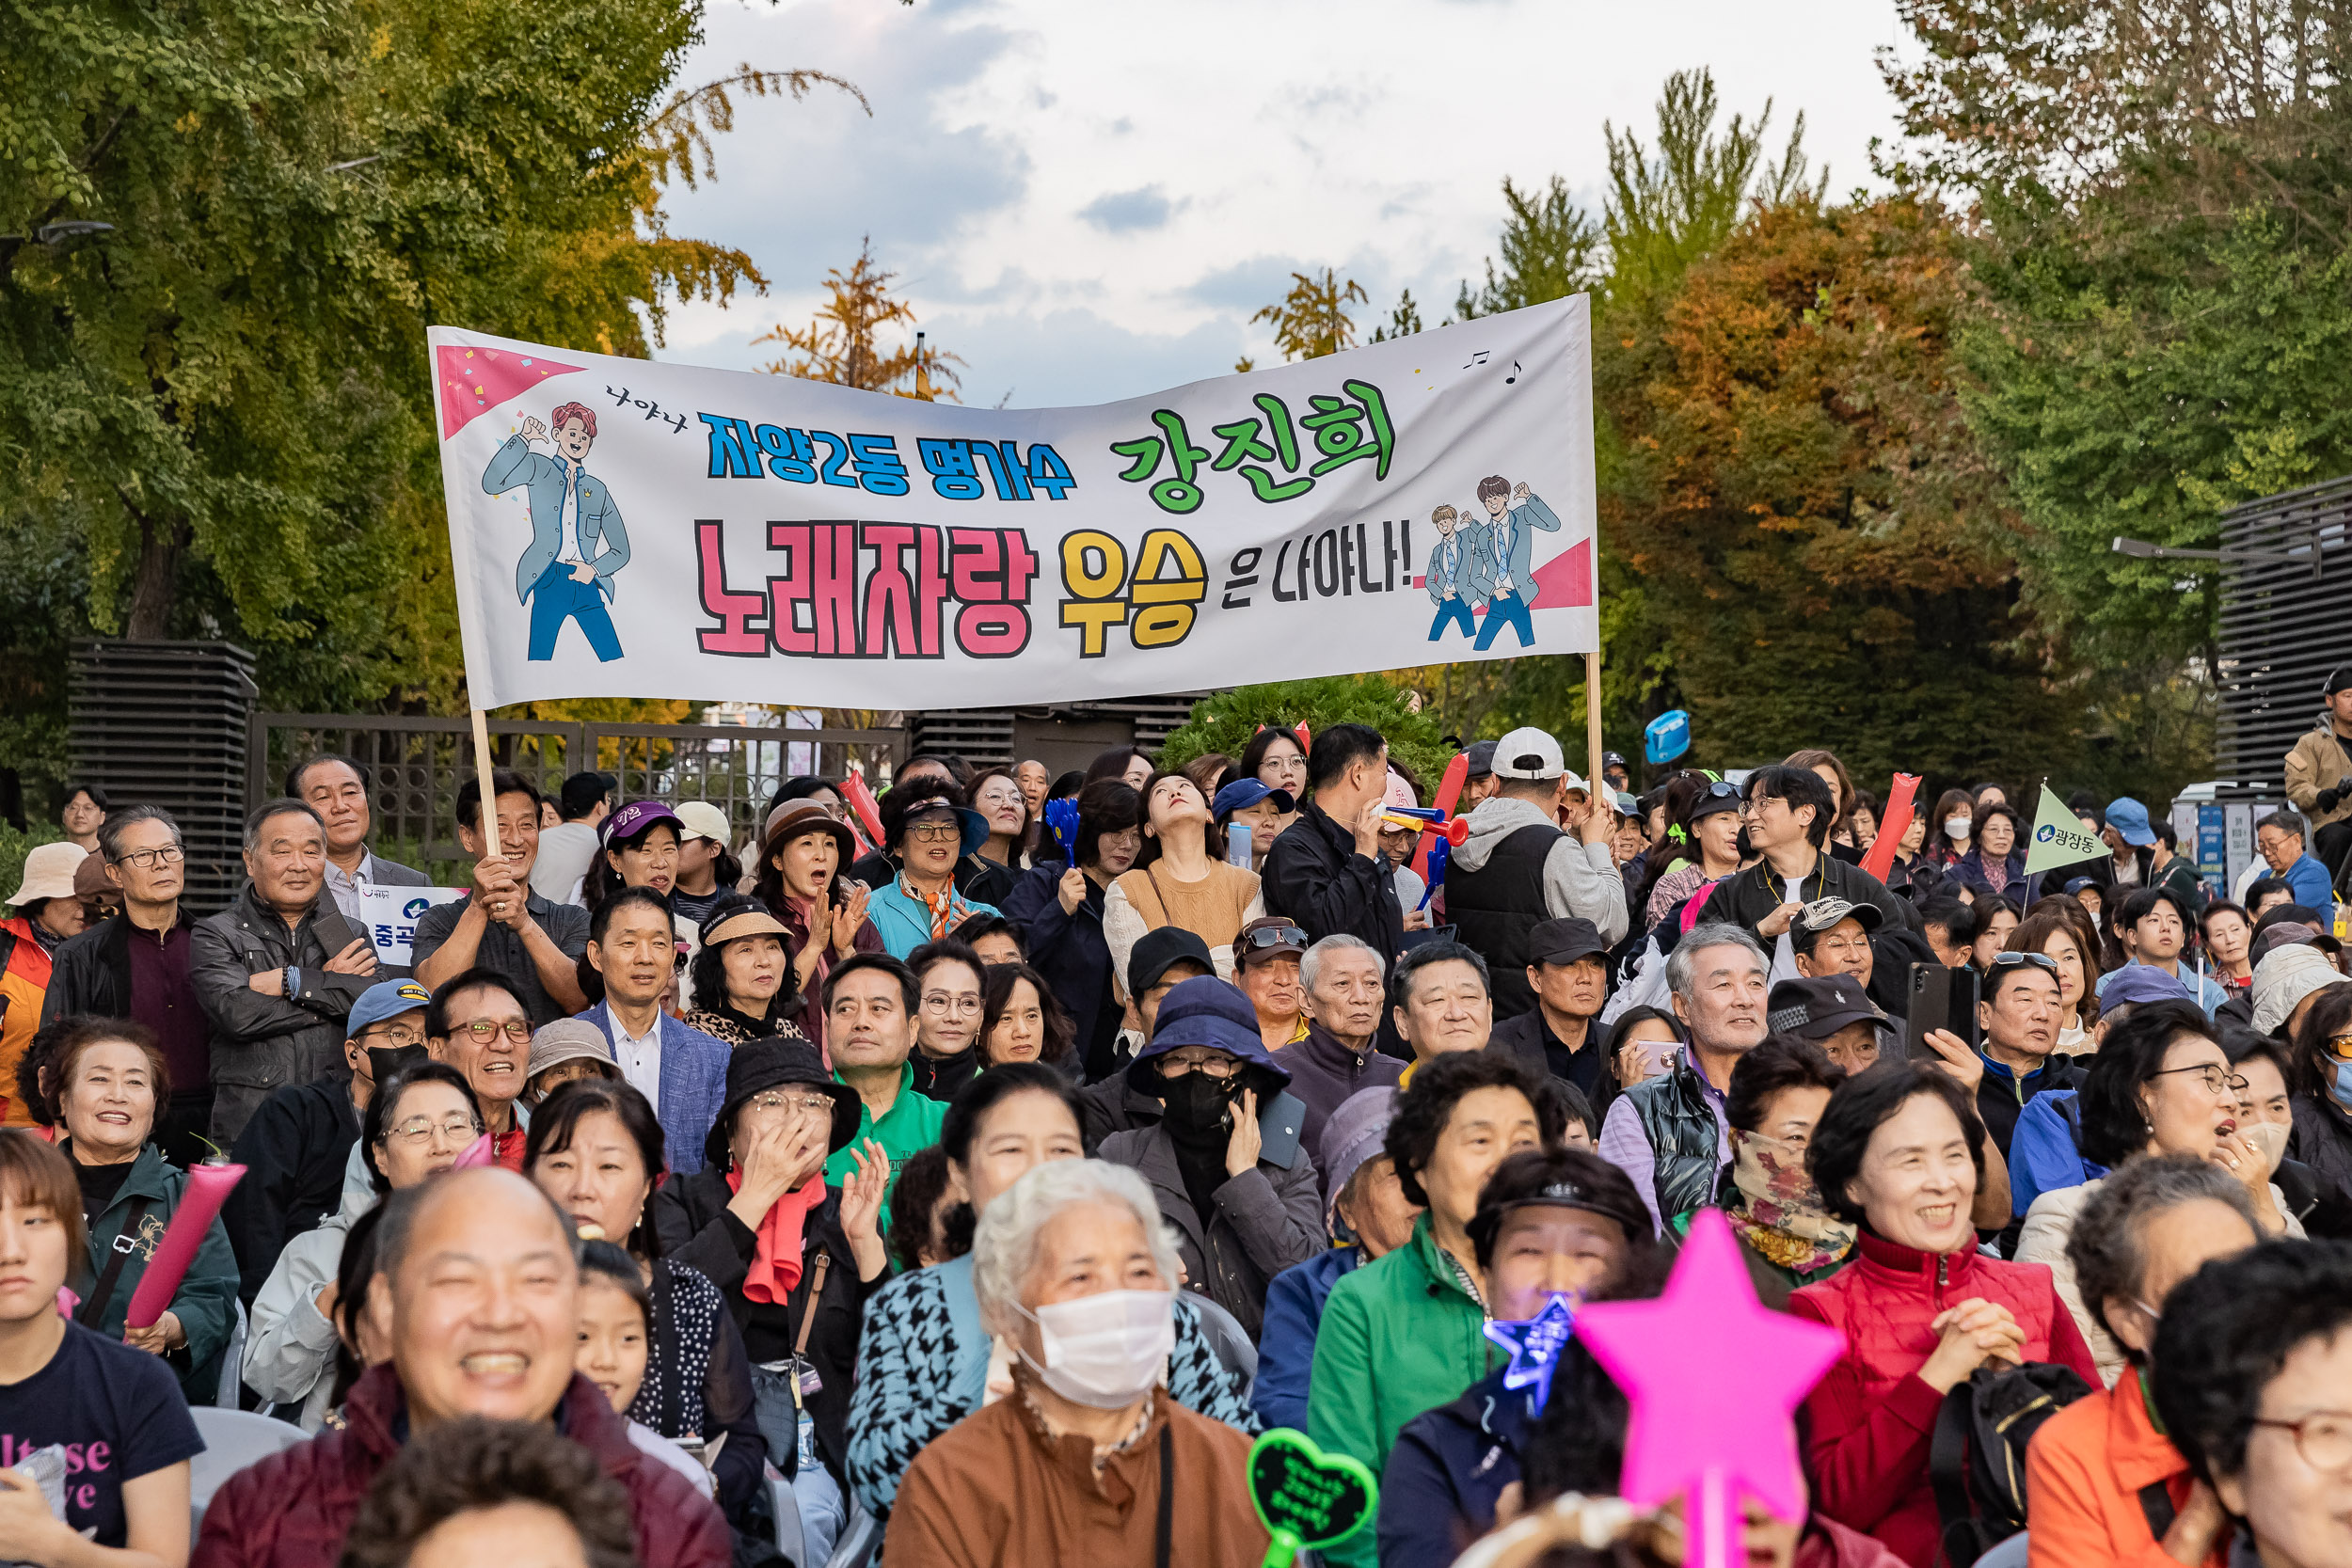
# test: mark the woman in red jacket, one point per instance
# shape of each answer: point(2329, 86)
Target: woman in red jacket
point(1900, 1152)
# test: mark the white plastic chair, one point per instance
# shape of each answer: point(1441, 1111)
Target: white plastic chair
point(230, 1394)
point(789, 1540)
point(233, 1439)
point(2007, 1554)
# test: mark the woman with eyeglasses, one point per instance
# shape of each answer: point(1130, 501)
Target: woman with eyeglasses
point(1239, 1219)
point(595, 1150)
point(946, 1052)
point(2160, 1085)
point(2322, 1101)
point(1995, 862)
point(743, 975)
point(1277, 759)
point(996, 795)
point(795, 1258)
point(415, 1127)
point(928, 832)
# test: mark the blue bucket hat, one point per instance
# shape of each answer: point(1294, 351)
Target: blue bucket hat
point(1208, 1011)
point(2142, 983)
point(2130, 818)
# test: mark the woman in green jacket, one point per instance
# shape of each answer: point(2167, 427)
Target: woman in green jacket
point(110, 1077)
point(1406, 1333)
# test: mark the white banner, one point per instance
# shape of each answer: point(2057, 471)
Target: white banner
point(390, 914)
point(622, 527)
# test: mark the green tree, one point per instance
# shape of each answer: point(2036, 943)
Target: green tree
point(1551, 248)
point(2162, 196)
point(1312, 319)
point(214, 406)
point(839, 345)
point(1403, 319)
point(1226, 722)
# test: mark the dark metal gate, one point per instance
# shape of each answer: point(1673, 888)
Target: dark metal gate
point(2286, 620)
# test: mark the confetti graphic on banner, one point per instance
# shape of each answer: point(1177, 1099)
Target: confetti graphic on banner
point(476, 380)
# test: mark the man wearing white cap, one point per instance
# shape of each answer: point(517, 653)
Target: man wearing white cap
point(1517, 869)
point(46, 913)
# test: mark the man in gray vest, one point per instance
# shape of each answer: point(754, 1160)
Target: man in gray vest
point(1517, 869)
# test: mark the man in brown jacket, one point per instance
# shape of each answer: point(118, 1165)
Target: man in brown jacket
point(1088, 1460)
point(2319, 773)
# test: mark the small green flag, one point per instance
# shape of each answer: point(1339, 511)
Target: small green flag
point(2059, 838)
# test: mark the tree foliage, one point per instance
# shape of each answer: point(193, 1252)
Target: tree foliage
point(1312, 319)
point(839, 346)
point(215, 415)
point(1226, 722)
point(2164, 203)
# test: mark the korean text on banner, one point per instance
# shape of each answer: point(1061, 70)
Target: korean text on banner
point(2059, 838)
point(390, 914)
point(627, 529)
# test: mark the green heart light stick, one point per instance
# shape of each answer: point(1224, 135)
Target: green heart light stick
point(1305, 1496)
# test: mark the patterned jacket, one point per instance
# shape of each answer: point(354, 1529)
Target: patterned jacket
point(922, 1366)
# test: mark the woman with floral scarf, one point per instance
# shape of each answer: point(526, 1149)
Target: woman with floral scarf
point(1788, 1237)
point(929, 829)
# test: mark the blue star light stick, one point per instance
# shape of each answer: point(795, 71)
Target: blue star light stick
point(1062, 820)
point(1535, 1344)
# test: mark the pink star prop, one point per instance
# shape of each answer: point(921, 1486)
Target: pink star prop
point(1714, 1379)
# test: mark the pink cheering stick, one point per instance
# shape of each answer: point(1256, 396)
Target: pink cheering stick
point(861, 799)
point(483, 1152)
point(200, 1205)
point(1713, 1379)
point(1893, 823)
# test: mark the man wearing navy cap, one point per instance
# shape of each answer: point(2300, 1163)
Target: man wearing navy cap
point(1568, 969)
point(296, 1144)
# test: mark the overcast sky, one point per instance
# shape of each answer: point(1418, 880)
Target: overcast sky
point(1088, 201)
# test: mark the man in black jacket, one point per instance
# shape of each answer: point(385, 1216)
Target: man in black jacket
point(1567, 972)
point(296, 1148)
point(1327, 871)
point(1787, 813)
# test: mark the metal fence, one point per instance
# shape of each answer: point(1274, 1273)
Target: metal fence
point(2285, 569)
point(416, 765)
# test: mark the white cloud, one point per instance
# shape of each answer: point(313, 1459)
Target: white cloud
point(1088, 201)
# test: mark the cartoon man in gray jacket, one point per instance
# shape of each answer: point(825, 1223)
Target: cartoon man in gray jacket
point(1509, 587)
point(1457, 566)
point(576, 537)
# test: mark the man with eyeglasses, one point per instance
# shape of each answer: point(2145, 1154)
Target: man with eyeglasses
point(278, 970)
point(678, 1068)
point(1787, 812)
point(298, 1148)
point(2018, 1017)
point(136, 966)
point(478, 1024)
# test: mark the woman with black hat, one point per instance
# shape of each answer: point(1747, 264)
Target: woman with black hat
point(802, 851)
point(794, 1258)
point(744, 974)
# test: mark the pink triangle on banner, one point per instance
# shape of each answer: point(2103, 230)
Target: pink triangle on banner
point(476, 380)
point(1566, 581)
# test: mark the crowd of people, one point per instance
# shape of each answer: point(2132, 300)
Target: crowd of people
point(976, 1191)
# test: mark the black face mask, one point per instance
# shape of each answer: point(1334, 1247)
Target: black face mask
point(1200, 1107)
point(387, 1062)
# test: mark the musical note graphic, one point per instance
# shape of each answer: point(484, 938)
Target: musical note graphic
point(1478, 359)
point(1514, 375)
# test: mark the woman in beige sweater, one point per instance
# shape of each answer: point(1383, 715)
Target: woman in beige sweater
point(1178, 881)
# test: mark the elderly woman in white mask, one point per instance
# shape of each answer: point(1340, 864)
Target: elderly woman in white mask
point(1074, 1269)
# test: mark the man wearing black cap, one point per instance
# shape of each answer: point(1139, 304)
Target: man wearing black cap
point(1479, 781)
point(1162, 960)
point(2319, 772)
point(1835, 1013)
point(1614, 771)
point(1567, 970)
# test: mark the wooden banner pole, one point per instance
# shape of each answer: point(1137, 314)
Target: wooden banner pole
point(481, 777)
point(1592, 725)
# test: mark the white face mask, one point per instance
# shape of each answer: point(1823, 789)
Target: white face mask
point(1957, 827)
point(1106, 1351)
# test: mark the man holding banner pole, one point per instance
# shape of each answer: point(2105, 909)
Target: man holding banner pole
point(505, 926)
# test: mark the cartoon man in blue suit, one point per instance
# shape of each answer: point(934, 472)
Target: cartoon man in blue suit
point(577, 540)
point(1457, 565)
point(1510, 585)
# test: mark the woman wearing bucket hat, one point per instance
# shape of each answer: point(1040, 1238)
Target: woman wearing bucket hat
point(930, 831)
point(47, 912)
point(795, 1258)
point(802, 851)
point(743, 975)
point(1239, 1219)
